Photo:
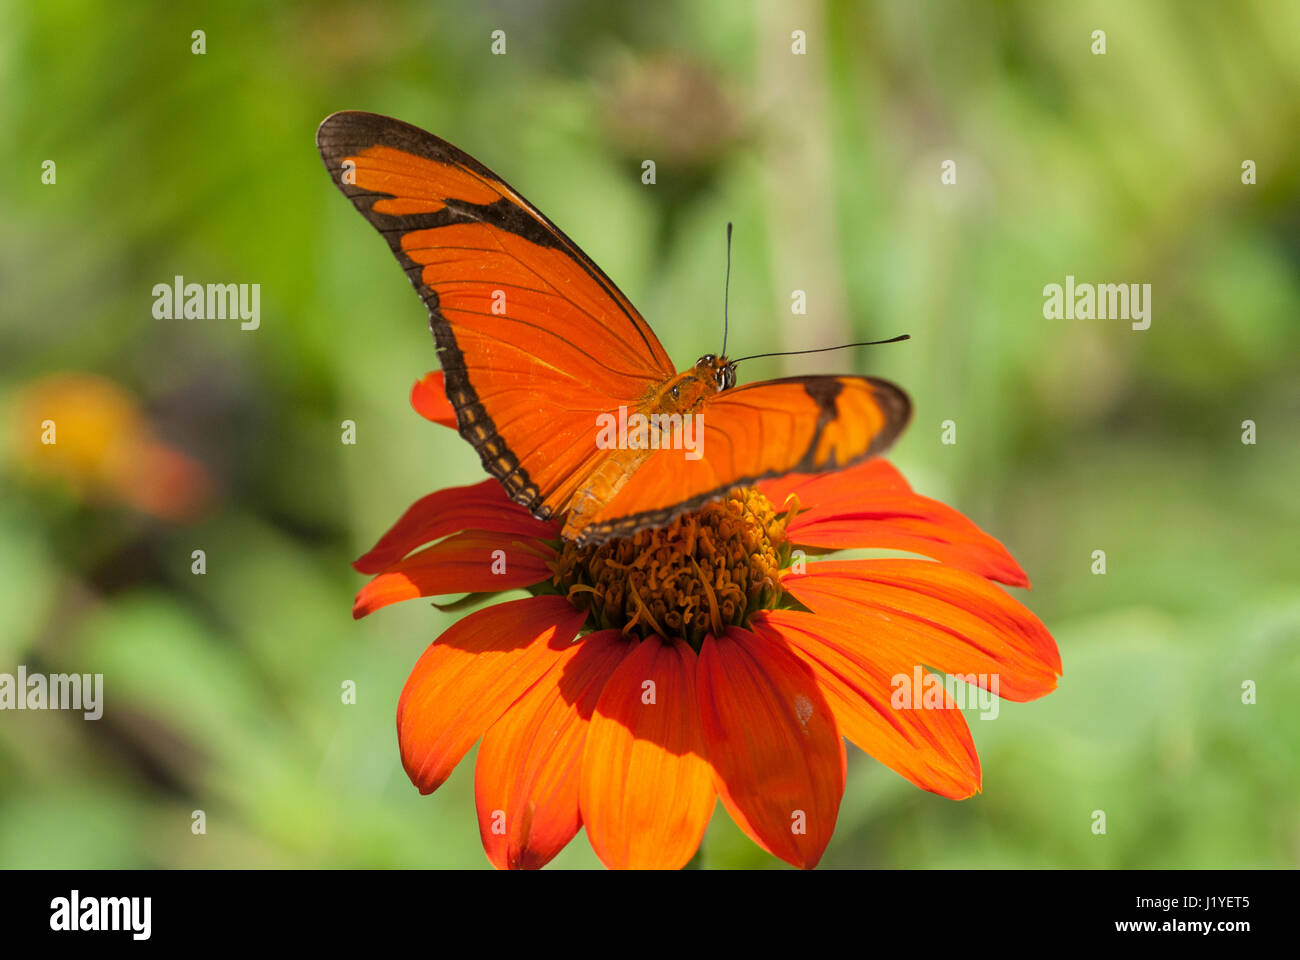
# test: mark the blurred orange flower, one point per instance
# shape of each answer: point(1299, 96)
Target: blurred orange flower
point(90, 435)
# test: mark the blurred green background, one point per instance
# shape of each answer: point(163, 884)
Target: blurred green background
point(222, 691)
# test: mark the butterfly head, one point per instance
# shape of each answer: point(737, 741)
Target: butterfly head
point(719, 370)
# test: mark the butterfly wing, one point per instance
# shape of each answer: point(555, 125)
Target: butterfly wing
point(752, 433)
point(535, 341)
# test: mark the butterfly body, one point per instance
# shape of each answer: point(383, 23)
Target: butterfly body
point(539, 349)
point(664, 413)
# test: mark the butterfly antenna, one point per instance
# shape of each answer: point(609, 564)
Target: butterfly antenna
point(842, 346)
point(726, 292)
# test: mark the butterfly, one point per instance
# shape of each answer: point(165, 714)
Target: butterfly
point(539, 350)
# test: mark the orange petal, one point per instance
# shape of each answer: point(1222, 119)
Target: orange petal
point(871, 505)
point(647, 793)
point(468, 562)
point(936, 615)
point(930, 747)
point(526, 781)
point(429, 398)
point(482, 506)
point(874, 476)
point(471, 675)
point(773, 744)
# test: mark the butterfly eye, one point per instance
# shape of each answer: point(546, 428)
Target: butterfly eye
point(675, 391)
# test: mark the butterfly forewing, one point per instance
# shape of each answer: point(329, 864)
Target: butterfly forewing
point(534, 339)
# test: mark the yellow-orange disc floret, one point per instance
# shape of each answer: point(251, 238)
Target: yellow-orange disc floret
point(700, 573)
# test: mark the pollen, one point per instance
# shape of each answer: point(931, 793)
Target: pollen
point(699, 574)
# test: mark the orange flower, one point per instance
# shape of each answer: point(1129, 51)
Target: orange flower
point(647, 677)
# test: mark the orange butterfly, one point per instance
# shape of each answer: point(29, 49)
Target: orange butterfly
point(549, 366)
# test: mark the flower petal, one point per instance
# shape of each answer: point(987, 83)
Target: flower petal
point(471, 675)
point(871, 477)
point(529, 763)
point(777, 755)
point(429, 398)
point(871, 505)
point(936, 615)
point(931, 747)
point(647, 792)
point(482, 506)
point(468, 562)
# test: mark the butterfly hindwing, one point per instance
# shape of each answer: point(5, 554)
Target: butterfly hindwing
point(751, 433)
point(535, 341)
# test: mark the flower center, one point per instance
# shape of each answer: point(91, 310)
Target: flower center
point(702, 572)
